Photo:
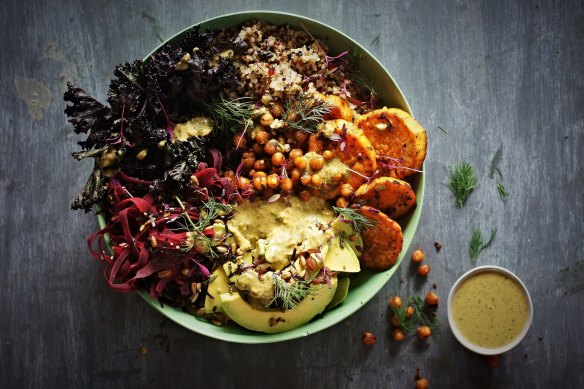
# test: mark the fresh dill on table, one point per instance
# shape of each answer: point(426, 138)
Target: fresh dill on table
point(462, 181)
point(477, 244)
point(375, 41)
point(503, 194)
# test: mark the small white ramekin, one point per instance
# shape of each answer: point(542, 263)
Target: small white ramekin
point(465, 342)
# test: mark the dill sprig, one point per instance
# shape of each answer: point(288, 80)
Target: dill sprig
point(375, 41)
point(503, 194)
point(363, 83)
point(359, 221)
point(477, 244)
point(232, 115)
point(424, 315)
point(462, 181)
point(303, 113)
point(286, 295)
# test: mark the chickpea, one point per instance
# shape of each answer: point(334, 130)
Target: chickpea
point(248, 159)
point(243, 183)
point(424, 270)
point(395, 302)
point(424, 332)
point(398, 334)
point(316, 180)
point(431, 298)
point(305, 195)
point(328, 155)
point(295, 175)
point(368, 339)
point(422, 383)
point(286, 184)
point(342, 202)
point(262, 137)
point(317, 163)
point(260, 164)
point(409, 311)
point(300, 136)
point(300, 163)
point(239, 141)
point(260, 183)
point(494, 360)
point(273, 181)
point(271, 147)
point(229, 174)
point(278, 159)
point(257, 148)
point(295, 153)
point(394, 321)
point(277, 109)
point(259, 174)
point(306, 179)
point(347, 190)
point(418, 256)
point(266, 119)
point(338, 177)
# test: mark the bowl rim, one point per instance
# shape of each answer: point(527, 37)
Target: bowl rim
point(340, 312)
point(465, 342)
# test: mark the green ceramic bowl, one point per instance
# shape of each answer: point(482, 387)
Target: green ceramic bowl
point(365, 284)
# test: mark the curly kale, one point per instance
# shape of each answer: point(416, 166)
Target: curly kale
point(146, 99)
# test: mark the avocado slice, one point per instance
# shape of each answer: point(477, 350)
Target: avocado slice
point(347, 232)
point(341, 257)
point(218, 286)
point(341, 293)
point(275, 320)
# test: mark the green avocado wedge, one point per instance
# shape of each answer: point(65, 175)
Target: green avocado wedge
point(274, 321)
point(341, 257)
point(341, 292)
point(218, 286)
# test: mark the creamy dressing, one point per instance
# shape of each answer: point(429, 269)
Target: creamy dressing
point(281, 228)
point(198, 126)
point(490, 309)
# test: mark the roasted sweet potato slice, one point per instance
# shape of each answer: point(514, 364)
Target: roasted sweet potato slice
point(399, 140)
point(339, 107)
point(383, 242)
point(393, 196)
point(353, 149)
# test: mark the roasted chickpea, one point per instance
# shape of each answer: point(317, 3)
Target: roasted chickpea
point(494, 360)
point(409, 311)
point(277, 109)
point(418, 256)
point(286, 184)
point(395, 302)
point(300, 136)
point(316, 180)
point(257, 148)
point(398, 334)
point(266, 119)
point(337, 177)
point(260, 164)
point(305, 195)
point(306, 179)
point(229, 174)
point(271, 147)
point(260, 183)
point(347, 190)
point(262, 137)
point(295, 153)
point(317, 163)
point(248, 159)
point(342, 202)
point(368, 339)
point(278, 159)
point(295, 175)
point(243, 183)
point(431, 298)
point(273, 181)
point(300, 163)
point(259, 174)
point(328, 155)
point(422, 383)
point(394, 321)
point(424, 270)
point(424, 332)
point(239, 141)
